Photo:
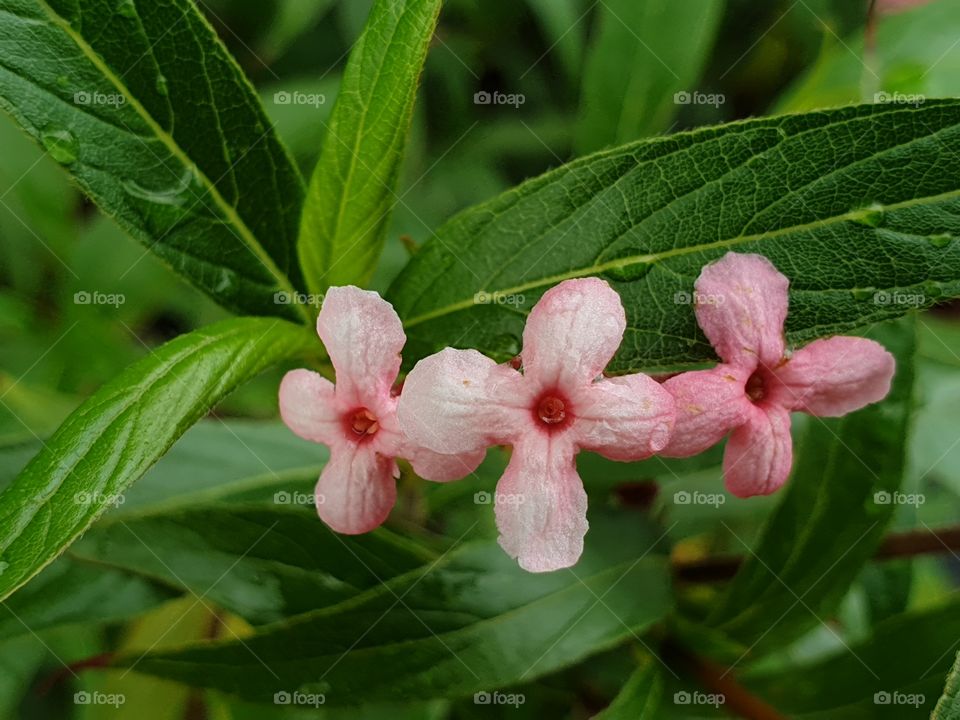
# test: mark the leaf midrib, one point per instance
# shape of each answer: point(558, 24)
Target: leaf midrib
point(651, 258)
point(244, 232)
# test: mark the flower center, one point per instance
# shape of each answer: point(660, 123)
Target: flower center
point(551, 410)
point(754, 388)
point(364, 423)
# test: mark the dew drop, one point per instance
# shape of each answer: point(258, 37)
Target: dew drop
point(863, 293)
point(505, 345)
point(3, 566)
point(941, 240)
point(931, 289)
point(162, 86)
point(62, 146)
point(627, 266)
point(127, 8)
point(869, 216)
point(63, 81)
point(174, 195)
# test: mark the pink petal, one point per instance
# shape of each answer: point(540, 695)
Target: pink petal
point(834, 376)
point(356, 490)
point(710, 403)
point(741, 304)
point(541, 505)
point(572, 333)
point(308, 407)
point(363, 337)
point(459, 401)
point(759, 453)
point(623, 418)
point(443, 468)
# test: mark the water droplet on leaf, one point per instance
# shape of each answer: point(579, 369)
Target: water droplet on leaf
point(62, 146)
point(863, 293)
point(3, 566)
point(63, 81)
point(627, 265)
point(127, 9)
point(162, 86)
point(941, 240)
point(869, 216)
point(176, 194)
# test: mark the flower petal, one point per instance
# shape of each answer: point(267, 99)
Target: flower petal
point(308, 407)
point(834, 376)
point(759, 453)
point(541, 505)
point(623, 418)
point(356, 490)
point(459, 401)
point(572, 333)
point(363, 337)
point(741, 304)
point(443, 468)
point(710, 403)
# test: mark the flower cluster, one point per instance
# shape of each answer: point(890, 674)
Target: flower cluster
point(555, 402)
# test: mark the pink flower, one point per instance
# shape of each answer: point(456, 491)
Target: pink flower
point(741, 306)
point(459, 401)
point(357, 419)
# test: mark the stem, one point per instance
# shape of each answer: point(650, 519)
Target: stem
point(895, 545)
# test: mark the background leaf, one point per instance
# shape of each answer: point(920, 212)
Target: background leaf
point(353, 186)
point(948, 707)
point(643, 54)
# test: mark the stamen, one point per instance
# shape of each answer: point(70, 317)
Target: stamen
point(551, 410)
point(754, 388)
point(364, 422)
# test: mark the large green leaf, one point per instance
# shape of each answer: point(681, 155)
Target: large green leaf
point(263, 563)
point(639, 699)
point(648, 216)
point(156, 122)
point(472, 621)
point(644, 64)
point(352, 189)
point(113, 437)
point(948, 707)
point(829, 521)
point(897, 673)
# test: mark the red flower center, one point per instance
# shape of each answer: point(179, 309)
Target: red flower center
point(363, 422)
point(551, 410)
point(755, 387)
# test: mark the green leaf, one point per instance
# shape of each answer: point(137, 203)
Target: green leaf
point(472, 621)
point(353, 186)
point(648, 216)
point(113, 437)
point(263, 563)
point(948, 707)
point(164, 132)
point(20, 660)
point(560, 21)
point(72, 592)
point(640, 697)
point(906, 656)
point(645, 53)
point(829, 521)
